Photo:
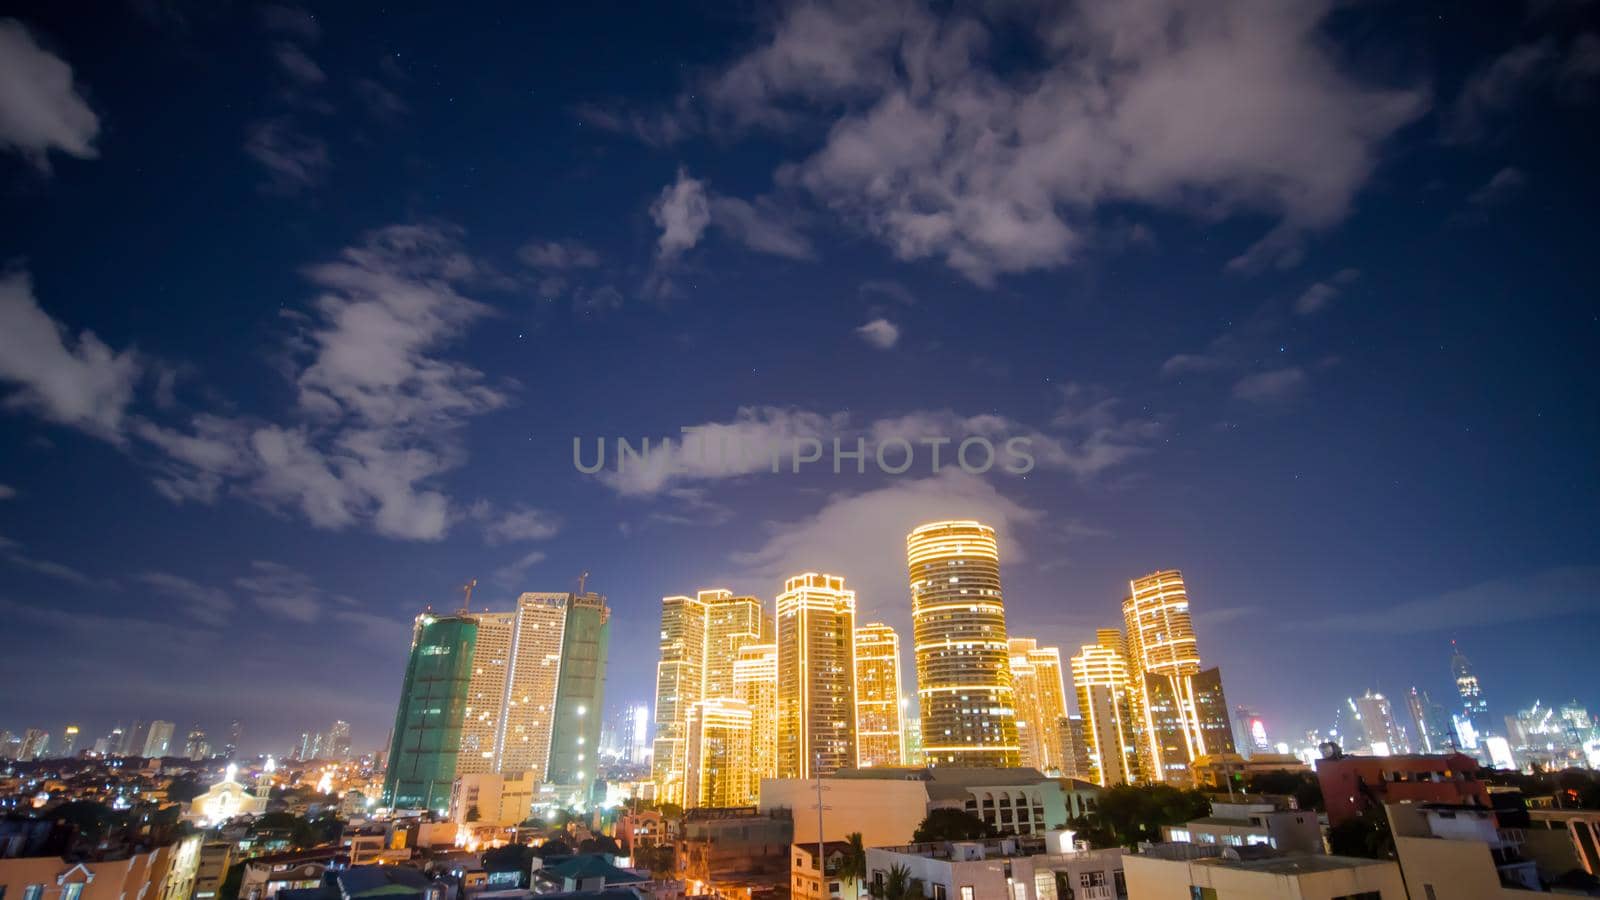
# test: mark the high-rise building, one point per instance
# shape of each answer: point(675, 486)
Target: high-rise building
point(755, 681)
point(528, 719)
point(69, 741)
point(816, 676)
point(636, 738)
point(428, 723)
point(1107, 702)
point(731, 623)
point(158, 742)
point(967, 706)
point(1375, 725)
point(1163, 661)
point(1073, 743)
point(35, 744)
point(1036, 681)
point(336, 743)
point(486, 693)
point(1249, 732)
point(1474, 708)
point(235, 732)
point(134, 738)
point(680, 677)
point(116, 742)
point(195, 746)
point(581, 693)
point(880, 740)
point(717, 765)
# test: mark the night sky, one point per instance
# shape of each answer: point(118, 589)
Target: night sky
point(301, 310)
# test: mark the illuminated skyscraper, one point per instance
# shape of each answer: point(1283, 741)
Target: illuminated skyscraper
point(528, 719)
point(1179, 721)
point(717, 766)
point(731, 623)
point(1375, 725)
point(964, 689)
point(486, 693)
point(1073, 742)
point(1474, 708)
point(1106, 701)
point(69, 741)
point(433, 702)
point(816, 676)
point(158, 742)
point(196, 746)
point(755, 681)
point(1041, 702)
point(880, 741)
point(337, 745)
point(680, 676)
point(581, 691)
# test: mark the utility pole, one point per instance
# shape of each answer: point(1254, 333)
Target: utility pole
point(822, 862)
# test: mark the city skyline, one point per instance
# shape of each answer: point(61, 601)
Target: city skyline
point(303, 310)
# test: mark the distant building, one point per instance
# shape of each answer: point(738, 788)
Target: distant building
point(1074, 746)
point(35, 744)
point(755, 682)
point(580, 694)
point(718, 766)
point(428, 724)
point(69, 742)
point(680, 682)
point(1109, 704)
point(1376, 727)
point(158, 740)
point(1218, 770)
point(1249, 732)
point(1351, 784)
point(1004, 869)
point(1474, 708)
point(224, 800)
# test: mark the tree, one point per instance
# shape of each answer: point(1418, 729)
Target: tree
point(946, 824)
point(509, 858)
point(184, 788)
point(1093, 833)
point(1304, 787)
point(658, 858)
point(1133, 813)
point(93, 820)
point(853, 867)
point(899, 885)
point(600, 844)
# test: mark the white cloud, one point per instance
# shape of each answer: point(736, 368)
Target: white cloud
point(12, 552)
point(298, 65)
point(763, 226)
point(206, 605)
point(714, 450)
point(283, 591)
point(862, 536)
point(82, 383)
point(880, 333)
point(682, 212)
point(1317, 297)
point(1231, 106)
point(7, 492)
point(40, 109)
point(512, 572)
point(559, 255)
point(1546, 594)
point(293, 160)
point(1505, 184)
point(521, 524)
point(290, 20)
point(1276, 386)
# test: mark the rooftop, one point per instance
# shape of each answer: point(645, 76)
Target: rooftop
point(1295, 863)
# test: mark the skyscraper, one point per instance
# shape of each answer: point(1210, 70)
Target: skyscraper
point(717, 765)
point(486, 693)
point(235, 733)
point(35, 744)
point(880, 741)
point(1041, 702)
point(69, 741)
point(1474, 708)
point(337, 741)
point(428, 723)
point(731, 623)
point(958, 615)
point(755, 681)
point(1163, 661)
point(680, 676)
point(1107, 702)
point(1073, 742)
point(816, 676)
point(195, 746)
point(528, 719)
point(581, 694)
point(1424, 719)
point(1375, 725)
point(158, 742)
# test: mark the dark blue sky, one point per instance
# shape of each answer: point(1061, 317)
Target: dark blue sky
point(1297, 298)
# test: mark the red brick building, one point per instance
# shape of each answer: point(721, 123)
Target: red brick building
point(1351, 784)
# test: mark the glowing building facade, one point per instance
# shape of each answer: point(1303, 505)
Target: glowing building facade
point(486, 689)
point(880, 739)
point(755, 682)
point(1036, 681)
point(964, 690)
point(816, 676)
point(1108, 706)
point(580, 691)
point(717, 762)
point(1473, 720)
point(1181, 717)
point(529, 702)
point(680, 676)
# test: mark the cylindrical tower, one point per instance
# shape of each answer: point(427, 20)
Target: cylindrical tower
point(963, 660)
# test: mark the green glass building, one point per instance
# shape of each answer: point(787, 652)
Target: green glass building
point(581, 691)
point(427, 726)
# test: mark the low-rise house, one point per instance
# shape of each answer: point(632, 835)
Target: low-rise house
point(1004, 869)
